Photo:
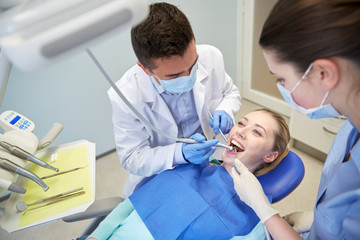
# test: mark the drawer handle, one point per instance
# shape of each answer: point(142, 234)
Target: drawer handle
point(341, 118)
point(329, 131)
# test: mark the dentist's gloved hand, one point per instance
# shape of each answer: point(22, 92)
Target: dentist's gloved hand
point(221, 120)
point(250, 191)
point(196, 153)
point(300, 221)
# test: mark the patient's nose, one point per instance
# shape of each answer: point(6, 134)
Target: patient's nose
point(241, 132)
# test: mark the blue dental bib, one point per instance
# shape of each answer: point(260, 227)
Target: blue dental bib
point(193, 202)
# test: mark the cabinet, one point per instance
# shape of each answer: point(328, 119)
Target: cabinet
point(316, 133)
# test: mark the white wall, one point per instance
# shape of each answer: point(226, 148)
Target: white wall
point(73, 91)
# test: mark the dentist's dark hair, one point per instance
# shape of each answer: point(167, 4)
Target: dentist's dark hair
point(302, 31)
point(166, 32)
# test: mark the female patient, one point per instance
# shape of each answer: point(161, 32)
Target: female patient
point(199, 201)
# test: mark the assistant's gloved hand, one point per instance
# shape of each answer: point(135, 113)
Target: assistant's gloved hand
point(196, 153)
point(222, 120)
point(250, 191)
point(300, 221)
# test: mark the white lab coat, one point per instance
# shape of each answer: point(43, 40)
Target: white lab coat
point(144, 152)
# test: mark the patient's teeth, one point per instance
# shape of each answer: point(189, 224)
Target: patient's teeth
point(237, 144)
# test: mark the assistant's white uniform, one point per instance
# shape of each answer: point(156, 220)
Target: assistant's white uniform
point(144, 152)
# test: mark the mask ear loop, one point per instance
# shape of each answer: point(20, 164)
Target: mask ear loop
point(303, 77)
point(322, 102)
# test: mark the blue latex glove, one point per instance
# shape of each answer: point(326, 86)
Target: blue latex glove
point(221, 120)
point(196, 153)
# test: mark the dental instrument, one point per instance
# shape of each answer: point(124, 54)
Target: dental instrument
point(222, 134)
point(145, 121)
point(60, 173)
point(25, 155)
point(234, 161)
point(56, 200)
point(22, 206)
point(13, 167)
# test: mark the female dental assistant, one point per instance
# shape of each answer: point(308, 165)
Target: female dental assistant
point(313, 48)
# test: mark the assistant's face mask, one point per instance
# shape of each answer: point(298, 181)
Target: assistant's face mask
point(314, 113)
point(180, 84)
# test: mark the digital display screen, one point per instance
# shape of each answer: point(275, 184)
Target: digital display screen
point(15, 120)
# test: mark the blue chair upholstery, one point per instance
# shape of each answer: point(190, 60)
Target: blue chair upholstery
point(282, 180)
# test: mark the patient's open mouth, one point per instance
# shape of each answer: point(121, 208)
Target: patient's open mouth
point(237, 145)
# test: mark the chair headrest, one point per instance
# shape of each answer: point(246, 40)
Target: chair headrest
point(282, 180)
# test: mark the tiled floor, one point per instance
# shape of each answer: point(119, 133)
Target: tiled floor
point(110, 178)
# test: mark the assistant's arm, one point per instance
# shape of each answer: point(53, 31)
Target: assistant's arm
point(250, 191)
point(279, 229)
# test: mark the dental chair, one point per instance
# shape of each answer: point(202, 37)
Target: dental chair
point(277, 184)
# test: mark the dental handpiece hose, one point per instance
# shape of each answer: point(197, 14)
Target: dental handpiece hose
point(12, 167)
point(25, 155)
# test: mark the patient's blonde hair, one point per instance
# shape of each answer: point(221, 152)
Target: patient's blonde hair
point(281, 141)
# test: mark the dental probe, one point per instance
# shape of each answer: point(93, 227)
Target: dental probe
point(25, 155)
point(222, 134)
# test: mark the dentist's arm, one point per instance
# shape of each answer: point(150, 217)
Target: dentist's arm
point(250, 191)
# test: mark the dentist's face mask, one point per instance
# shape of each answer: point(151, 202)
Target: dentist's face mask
point(180, 84)
point(315, 113)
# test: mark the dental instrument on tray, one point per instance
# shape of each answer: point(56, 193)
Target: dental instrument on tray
point(59, 199)
point(13, 167)
point(60, 173)
point(222, 134)
point(22, 206)
point(25, 155)
point(145, 121)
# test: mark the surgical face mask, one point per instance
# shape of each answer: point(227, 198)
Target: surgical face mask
point(314, 113)
point(180, 84)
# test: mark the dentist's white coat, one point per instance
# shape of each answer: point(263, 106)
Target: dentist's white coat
point(144, 152)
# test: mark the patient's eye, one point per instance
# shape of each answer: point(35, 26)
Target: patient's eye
point(241, 123)
point(257, 133)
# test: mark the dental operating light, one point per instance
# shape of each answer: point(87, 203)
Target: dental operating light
point(35, 33)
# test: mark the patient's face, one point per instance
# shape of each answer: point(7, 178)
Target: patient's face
point(253, 137)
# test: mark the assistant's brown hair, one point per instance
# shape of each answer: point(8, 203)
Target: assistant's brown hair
point(302, 31)
point(164, 33)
